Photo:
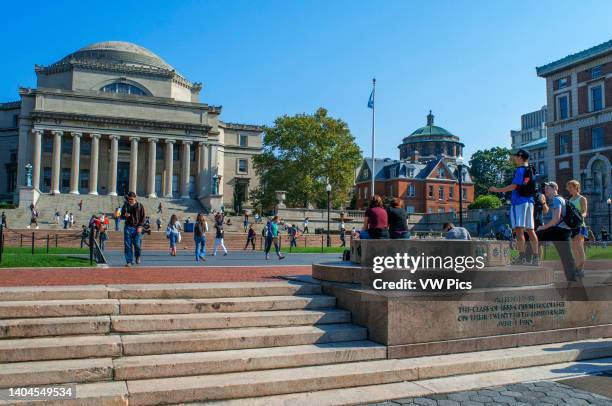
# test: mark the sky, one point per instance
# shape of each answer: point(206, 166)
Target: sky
point(471, 62)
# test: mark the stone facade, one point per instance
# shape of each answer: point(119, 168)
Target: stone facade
point(113, 117)
point(579, 122)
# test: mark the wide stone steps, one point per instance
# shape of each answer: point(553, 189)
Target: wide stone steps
point(74, 347)
point(185, 364)
point(96, 307)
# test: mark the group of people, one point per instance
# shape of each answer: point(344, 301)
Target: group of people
point(566, 227)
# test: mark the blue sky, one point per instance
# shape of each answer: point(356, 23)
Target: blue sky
point(471, 62)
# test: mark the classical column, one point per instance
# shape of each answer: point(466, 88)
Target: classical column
point(201, 168)
point(112, 175)
point(36, 152)
point(57, 162)
point(133, 163)
point(186, 164)
point(152, 167)
point(169, 167)
point(76, 160)
point(93, 168)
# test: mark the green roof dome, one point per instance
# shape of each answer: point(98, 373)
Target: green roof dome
point(431, 129)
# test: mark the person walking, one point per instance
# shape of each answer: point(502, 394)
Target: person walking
point(245, 222)
point(342, 234)
point(173, 231)
point(158, 222)
point(133, 214)
point(250, 238)
point(219, 232)
point(559, 231)
point(56, 217)
point(81, 205)
point(293, 232)
point(102, 232)
point(160, 208)
point(580, 233)
point(117, 216)
point(398, 221)
point(272, 238)
point(4, 220)
point(66, 220)
point(71, 220)
point(199, 235)
point(306, 226)
point(84, 235)
point(523, 188)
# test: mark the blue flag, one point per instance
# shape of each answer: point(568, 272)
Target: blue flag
point(371, 100)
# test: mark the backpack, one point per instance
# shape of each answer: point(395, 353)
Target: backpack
point(528, 187)
point(572, 218)
point(268, 229)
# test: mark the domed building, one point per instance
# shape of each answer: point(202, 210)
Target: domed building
point(114, 117)
point(425, 178)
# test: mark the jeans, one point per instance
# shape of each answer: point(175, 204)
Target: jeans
point(200, 247)
point(117, 224)
point(400, 235)
point(269, 241)
point(374, 234)
point(560, 238)
point(131, 242)
point(250, 240)
point(173, 238)
point(65, 224)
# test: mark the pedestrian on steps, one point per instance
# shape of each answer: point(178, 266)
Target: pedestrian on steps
point(250, 238)
point(133, 214)
point(81, 205)
point(173, 232)
point(219, 232)
point(199, 235)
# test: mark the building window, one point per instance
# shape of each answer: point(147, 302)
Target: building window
point(192, 154)
point(124, 145)
point(410, 209)
point(451, 193)
point(441, 193)
point(65, 179)
point(47, 177)
point(429, 210)
point(393, 173)
point(242, 166)
point(192, 184)
point(15, 120)
point(243, 140)
point(562, 83)
point(85, 146)
point(390, 190)
point(596, 97)
point(175, 185)
point(565, 144)
point(67, 146)
point(175, 154)
point(441, 210)
point(596, 72)
point(123, 88)
point(159, 151)
point(365, 192)
point(597, 137)
point(562, 107)
point(464, 193)
point(430, 191)
point(440, 173)
point(410, 173)
point(47, 144)
point(542, 168)
point(411, 191)
point(84, 175)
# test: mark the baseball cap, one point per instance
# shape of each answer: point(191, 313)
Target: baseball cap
point(522, 153)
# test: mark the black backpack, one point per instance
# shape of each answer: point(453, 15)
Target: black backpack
point(528, 187)
point(572, 218)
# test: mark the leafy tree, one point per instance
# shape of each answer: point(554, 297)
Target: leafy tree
point(490, 167)
point(485, 202)
point(301, 153)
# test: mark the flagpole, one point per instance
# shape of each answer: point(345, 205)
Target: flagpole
point(373, 176)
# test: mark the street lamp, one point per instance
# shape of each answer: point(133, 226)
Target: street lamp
point(328, 190)
point(459, 162)
point(609, 204)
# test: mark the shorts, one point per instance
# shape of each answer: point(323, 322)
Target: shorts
point(521, 215)
point(580, 231)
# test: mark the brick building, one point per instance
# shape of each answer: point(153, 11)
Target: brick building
point(425, 178)
point(579, 97)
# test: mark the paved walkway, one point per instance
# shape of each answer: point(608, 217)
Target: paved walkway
point(542, 393)
point(234, 258)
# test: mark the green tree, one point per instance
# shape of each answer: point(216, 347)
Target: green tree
point(490, 167)
point(485, 202)
point(301, 153)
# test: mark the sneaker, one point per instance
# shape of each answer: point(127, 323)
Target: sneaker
point(128, 264)
point(579, 274)
point(225, 255)
point(281, 257)
point(535, 261)
point(267, 256)
point(138, 260)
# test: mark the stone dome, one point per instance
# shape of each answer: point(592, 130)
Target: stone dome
point(430, 130)
point(118, 53)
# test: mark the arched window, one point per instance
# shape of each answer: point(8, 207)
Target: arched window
point(125, 88)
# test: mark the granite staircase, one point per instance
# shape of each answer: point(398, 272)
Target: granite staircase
point(245, 343)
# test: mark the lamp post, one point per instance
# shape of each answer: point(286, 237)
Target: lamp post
point(609, 204)
point(328, 190)
point(460, 174)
